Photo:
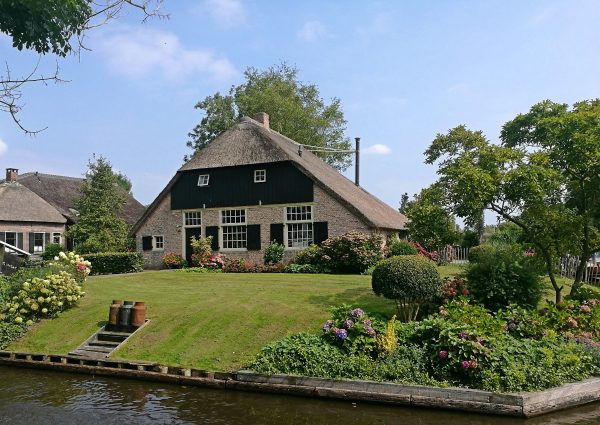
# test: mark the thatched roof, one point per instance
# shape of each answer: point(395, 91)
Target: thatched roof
point(18, 203)
point(61, 192)
point(249, 142)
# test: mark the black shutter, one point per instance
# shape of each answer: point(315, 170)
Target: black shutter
point(253, 235)
point(20, 240)
point(320, 231)
point(47, 237)
point(2, 237)
point(214, 232)
point(146, 243)
point(31, 241)
point(277, 233)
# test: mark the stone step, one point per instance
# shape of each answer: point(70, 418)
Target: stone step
point(112, 336)
point(96, 348)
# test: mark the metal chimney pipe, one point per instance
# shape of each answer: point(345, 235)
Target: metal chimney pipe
point(357, 162)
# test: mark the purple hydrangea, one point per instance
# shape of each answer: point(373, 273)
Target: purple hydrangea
point(357, 312)
point(341, 334)
point(327, 325)
point(465, 364)
point(370, 331)
point(462, 335)
point(367, 323)
point(348, 324)
point(443, 354)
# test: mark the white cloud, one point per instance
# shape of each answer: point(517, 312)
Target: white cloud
point(227, 13)
point(311, 31)
point(378, 149)
point(141, 52)
point(3, 147)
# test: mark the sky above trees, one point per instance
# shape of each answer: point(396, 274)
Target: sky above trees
point(404, 71)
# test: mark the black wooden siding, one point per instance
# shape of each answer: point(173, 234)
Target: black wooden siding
point(234, 187)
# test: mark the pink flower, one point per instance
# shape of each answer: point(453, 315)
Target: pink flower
point(465, 364)
point(443, 355)
point(572, 323)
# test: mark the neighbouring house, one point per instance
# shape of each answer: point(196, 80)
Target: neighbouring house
point(251, 186)
point(36, 209)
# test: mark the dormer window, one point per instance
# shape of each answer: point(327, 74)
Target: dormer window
point(260, 176)
point(203, 180)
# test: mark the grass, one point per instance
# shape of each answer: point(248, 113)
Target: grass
point(209, 321)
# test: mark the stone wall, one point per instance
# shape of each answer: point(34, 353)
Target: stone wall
point(163, 221)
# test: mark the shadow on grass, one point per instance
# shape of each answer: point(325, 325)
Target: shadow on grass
point(356, 297)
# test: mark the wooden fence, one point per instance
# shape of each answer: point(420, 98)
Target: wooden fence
point(591, 272)
point(453, 254)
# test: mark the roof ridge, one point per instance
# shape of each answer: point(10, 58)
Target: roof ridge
point(38, 174)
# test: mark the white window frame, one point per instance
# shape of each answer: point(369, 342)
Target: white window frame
point(224, 227)
point(155, 243)
point(54, 234)
point(198, 218)
point(203, 180)
point(43, 242)
point(289, 222)
point(260, 176)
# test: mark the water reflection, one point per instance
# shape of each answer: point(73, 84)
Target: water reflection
point(40, 397)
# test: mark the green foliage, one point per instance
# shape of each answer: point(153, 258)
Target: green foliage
point(99, 228)
point(123, 182)
point(10, 331)
point(430, 224)
point(302, 268)
point(44, 26)
point(52, 250)
point(504, 276)
point(352, 330)
point(116, 262)
point(201, 245)
point(410, 280)
point(241, 265)
point(274, 253)
point(295, 110)
point(479, 252)
point(352, 252)
point(506, 234)
point(401, 248)
point(311, 255)
point(470, 238)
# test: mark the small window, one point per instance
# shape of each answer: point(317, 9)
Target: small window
point(299, 226)
point(260, 176)
point(233, 217)
point(299, 213)
point(193, 218)
point(11, 238)
point(203, 179)
point(56, 238)
point(38, 242)
point(158, 243)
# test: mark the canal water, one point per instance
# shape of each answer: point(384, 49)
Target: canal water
point(44, 397)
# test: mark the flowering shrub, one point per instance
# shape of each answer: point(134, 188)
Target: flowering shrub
point(240, 265)
point(44, 297)
point(208, 261)
point(423, 252)
point(453, 288)
point(302, 268)
point(274, 253)
point(173, 260)
point(312, 255)
point(74, 264)
point(352, 253)
point(351, 329)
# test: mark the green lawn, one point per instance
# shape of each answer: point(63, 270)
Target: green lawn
point(209, 321)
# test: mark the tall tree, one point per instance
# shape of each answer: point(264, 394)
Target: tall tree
point(544, 177)
point(430, 224)
point(100, 229)
point(295, 109)
point(55, 27)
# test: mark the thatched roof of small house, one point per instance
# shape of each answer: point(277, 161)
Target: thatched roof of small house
point(62, 192)
point(18, 203)
point(250, 142)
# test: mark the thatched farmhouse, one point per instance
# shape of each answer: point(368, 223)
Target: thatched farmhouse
point(36, 209)
point(251, 186)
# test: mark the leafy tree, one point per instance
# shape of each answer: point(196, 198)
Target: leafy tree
point(430, 224)
point(99, 228)
point(55, 27)
point(124, 182)
point(295, 109)
point(404, 203)
point(544, 177)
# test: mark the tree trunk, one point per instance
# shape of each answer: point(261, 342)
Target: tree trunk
point(550, 269)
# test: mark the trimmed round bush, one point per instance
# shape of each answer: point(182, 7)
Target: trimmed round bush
point(402, 248)
point(481, 251)
point(410, 280)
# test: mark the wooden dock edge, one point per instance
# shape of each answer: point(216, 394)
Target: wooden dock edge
point(462, 399)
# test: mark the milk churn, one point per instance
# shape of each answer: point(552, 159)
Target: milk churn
point(125, 313)
point(138, 314)
point(113, 315)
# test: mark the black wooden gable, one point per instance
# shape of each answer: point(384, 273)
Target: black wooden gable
point(235, 186)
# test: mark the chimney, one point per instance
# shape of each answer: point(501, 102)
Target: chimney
point(357, 162)
point(12, 174)
point(263, 118)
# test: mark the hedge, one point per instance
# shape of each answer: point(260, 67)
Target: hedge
point(115, 262)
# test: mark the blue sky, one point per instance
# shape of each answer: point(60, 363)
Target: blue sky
point(404, 71)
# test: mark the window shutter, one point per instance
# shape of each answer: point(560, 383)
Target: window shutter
point(320, 231)
point(253, 234)
point(20, 240)
point(146, 243)
point(47, 238)
point(31, 241)
point(214, 232)
point(277, 233)
point(2, 237)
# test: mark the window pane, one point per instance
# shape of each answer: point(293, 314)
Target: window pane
point(233, 217)
point(234, 237)
point(203, 180)
point(299, 235)
point(56, 238)
point(38, 242)
point(193, 218)
point(299, 213)
point(11, 238)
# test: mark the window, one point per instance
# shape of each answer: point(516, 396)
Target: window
point(299, 226)
point(260, 176)
point(234, 234)
point(203, 180)
point(56, 238)
point(11, 238)
point(38, 242)
point(158, 243)
point(192, 218)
